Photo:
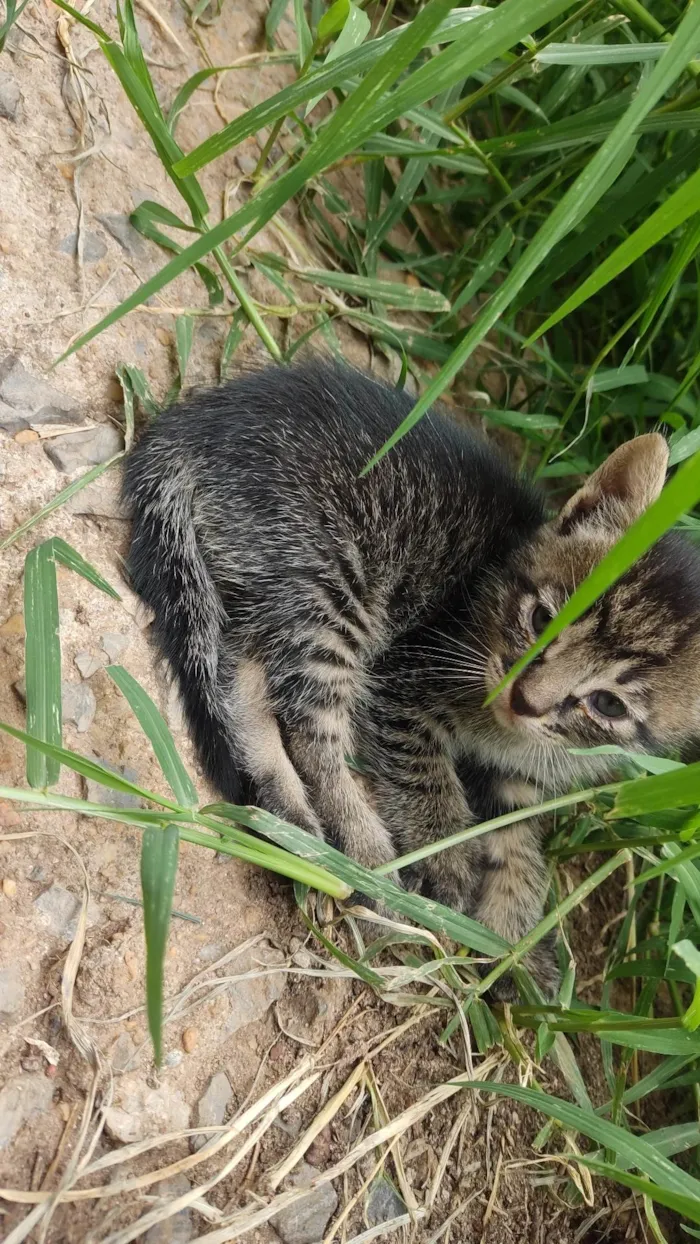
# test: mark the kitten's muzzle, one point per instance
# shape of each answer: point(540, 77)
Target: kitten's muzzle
point(519, 703)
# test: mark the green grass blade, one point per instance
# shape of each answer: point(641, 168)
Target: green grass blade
point(582, 196)
point(304, 36)
point(80, 764)
point(673, 1200)
point(683, 252)
point(613, 211)
point(680, 494)
point(276, 12)
point(636, 1152)
point(60, 499)
point(333, 74)
point(354, 32)
point(13, 11)
point(678, 789)
point(42, 665)
point(184, 336)
point(157, 733)
point(159, 854)
point(188, 89)
point(684, 202)
point(346, 128)
point(486, 267)
point(599, 54)
point(392, 293)
point(71, 559)
point(427, 913)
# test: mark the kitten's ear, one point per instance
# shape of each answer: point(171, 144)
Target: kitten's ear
point(622, 488)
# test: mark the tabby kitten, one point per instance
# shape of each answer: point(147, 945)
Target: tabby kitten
point(312, 615)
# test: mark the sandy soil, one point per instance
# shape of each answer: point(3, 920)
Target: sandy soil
point(64, 170)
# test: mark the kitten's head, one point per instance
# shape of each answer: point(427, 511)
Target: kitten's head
point(628, 671)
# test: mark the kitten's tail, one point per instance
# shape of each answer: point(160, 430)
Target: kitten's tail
point(169, 573)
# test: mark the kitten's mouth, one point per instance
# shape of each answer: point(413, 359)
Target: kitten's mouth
point(501, 707)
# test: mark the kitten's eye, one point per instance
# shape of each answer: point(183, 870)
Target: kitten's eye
point(541, 616)
point(607, 704)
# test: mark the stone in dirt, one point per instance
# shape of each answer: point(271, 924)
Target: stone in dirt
point(59, 911)
point(12, 420)
point(141, 1112)
point(94, 247)
point(100, 499)
point(11, 991)
point(179, 1228)
point(89, 663)
point(114, 644)
point(383, 1203)
point(10, 97)
point(122, 1052)
point(33, 398)
point(23, 1098)
point(124, 233)
point(78, 704)
point(306, 1220)
point(212, 1106)
point(97, 793)
point(250, 999)
point(83, 449)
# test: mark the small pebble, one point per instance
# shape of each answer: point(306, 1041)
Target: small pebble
point(13, 625)
point(173, 1058)
point(190, 1040)
point(132, 964)
point(163, 336)
point(9, 816)
point(26, 436)
point(9, 887)
point(67, 171)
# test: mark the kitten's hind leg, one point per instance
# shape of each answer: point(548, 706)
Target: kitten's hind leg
point(315, 694)
point(294, 749)
point(278, 787)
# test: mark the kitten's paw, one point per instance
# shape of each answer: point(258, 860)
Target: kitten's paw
point(541, 963)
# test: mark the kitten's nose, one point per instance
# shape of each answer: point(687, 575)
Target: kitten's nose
point(518, 702)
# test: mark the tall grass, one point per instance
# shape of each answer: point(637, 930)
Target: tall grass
point(531, 212)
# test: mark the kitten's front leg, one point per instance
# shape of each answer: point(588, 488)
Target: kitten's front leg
point(511, 900)
point(420, 799)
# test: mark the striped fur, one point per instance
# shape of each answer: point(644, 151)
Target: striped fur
point(312, 614)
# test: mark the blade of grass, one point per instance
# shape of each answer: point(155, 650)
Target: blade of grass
point(582, 196)
point(673, 1200)
point(678, 789)
point(158, 735)
point(42, 653)
point(426, 912)
point(333, 74)
point(360, 114)
point(80, 764)
point(159, 855)
point(72, 560)
point(392, 293)
point(666, 1175)
point(684, 202)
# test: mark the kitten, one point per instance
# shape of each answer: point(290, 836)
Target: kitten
point(312, 615)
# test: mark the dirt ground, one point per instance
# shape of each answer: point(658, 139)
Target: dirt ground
point(254, 1012)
